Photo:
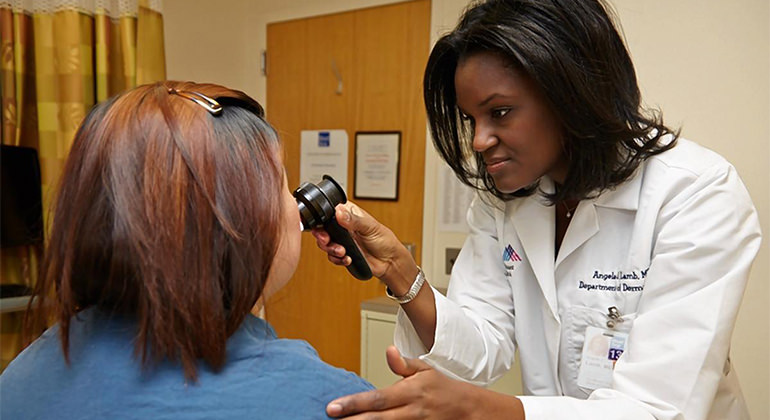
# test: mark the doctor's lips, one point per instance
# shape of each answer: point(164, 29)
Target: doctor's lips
point(495, 164)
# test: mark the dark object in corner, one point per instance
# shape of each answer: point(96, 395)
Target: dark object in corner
point(20, 197)
point(14, 290)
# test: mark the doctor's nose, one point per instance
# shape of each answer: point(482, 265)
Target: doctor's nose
point(483, 139)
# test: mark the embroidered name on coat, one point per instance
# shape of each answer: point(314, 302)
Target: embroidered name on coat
point(629, 281)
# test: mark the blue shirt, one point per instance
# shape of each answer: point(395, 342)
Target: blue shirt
point(264, 378)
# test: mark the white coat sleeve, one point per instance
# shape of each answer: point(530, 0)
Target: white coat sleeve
point(707, 236)
point(474, 324)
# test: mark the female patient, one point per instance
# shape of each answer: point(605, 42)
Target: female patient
point(173, 220)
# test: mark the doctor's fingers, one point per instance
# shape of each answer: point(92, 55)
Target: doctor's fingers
point(400, 413)
point(425, 395)
point(323, 242)
point(392, 402)
point(356, 219)
point(344, 261)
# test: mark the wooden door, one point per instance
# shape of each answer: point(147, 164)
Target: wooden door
point(380, 54)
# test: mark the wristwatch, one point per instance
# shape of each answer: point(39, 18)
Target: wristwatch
point(413, 290)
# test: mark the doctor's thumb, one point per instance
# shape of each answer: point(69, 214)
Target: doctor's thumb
point(402, 366)
point(354, 218)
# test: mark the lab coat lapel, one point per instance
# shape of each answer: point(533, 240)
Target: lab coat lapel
point(585, 222)
point(582, 227)
point(625, 196)
point(533, 221)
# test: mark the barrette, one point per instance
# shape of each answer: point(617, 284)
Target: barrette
point(211, 105)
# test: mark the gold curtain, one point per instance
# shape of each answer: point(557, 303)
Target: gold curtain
point(57, 63)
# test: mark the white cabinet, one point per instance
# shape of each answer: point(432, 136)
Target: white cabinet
point(378, 322)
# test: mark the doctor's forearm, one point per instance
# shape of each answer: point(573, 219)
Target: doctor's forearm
point(422, 309)
point(422, 312)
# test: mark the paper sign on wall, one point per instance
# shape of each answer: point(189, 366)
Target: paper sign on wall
point(454, 200)
point(324, 152)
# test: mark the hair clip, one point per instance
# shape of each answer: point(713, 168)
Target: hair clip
point(211, 105)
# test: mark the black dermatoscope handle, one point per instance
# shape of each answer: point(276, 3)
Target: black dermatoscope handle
point(316, 209)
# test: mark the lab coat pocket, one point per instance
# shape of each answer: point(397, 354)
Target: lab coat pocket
point(582, 322)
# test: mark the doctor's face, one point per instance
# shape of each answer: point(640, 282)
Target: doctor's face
point(514, 129)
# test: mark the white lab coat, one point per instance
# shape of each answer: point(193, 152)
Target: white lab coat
point(671, 249)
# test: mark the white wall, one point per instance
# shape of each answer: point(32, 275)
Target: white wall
point(210, 41)
point(705, 63)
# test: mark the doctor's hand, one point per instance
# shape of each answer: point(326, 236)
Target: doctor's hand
point(425, 393)
point(384, 253)
point(389, 261)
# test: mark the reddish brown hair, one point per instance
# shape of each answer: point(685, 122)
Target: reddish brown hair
point(167, 213)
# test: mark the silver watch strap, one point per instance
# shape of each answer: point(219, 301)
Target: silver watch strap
point(413, 290)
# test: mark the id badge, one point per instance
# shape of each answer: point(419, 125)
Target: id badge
point(601, 349)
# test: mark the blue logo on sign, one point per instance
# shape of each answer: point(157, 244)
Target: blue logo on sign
point(324, 139)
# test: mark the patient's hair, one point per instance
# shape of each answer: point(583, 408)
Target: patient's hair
point(167, 213)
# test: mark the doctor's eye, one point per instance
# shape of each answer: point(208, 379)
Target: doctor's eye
point(498, 113)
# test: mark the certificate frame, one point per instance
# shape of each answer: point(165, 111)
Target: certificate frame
point(377, 165)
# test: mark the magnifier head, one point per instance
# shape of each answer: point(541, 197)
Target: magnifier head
point(317, 202)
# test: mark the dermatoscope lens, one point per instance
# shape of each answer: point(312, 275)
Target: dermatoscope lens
point(316, 202)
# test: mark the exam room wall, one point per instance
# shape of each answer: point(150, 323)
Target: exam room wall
point(706, 64)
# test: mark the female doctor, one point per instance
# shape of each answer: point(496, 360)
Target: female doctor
point(611, 253)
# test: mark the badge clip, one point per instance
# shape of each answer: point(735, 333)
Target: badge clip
point(614, 317)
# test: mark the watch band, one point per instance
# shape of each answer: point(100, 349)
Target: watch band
point(413, 290)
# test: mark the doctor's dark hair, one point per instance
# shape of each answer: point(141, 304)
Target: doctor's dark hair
point(575, 55)
point(167, 214)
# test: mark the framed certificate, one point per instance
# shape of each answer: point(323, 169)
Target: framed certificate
point(377, 165)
